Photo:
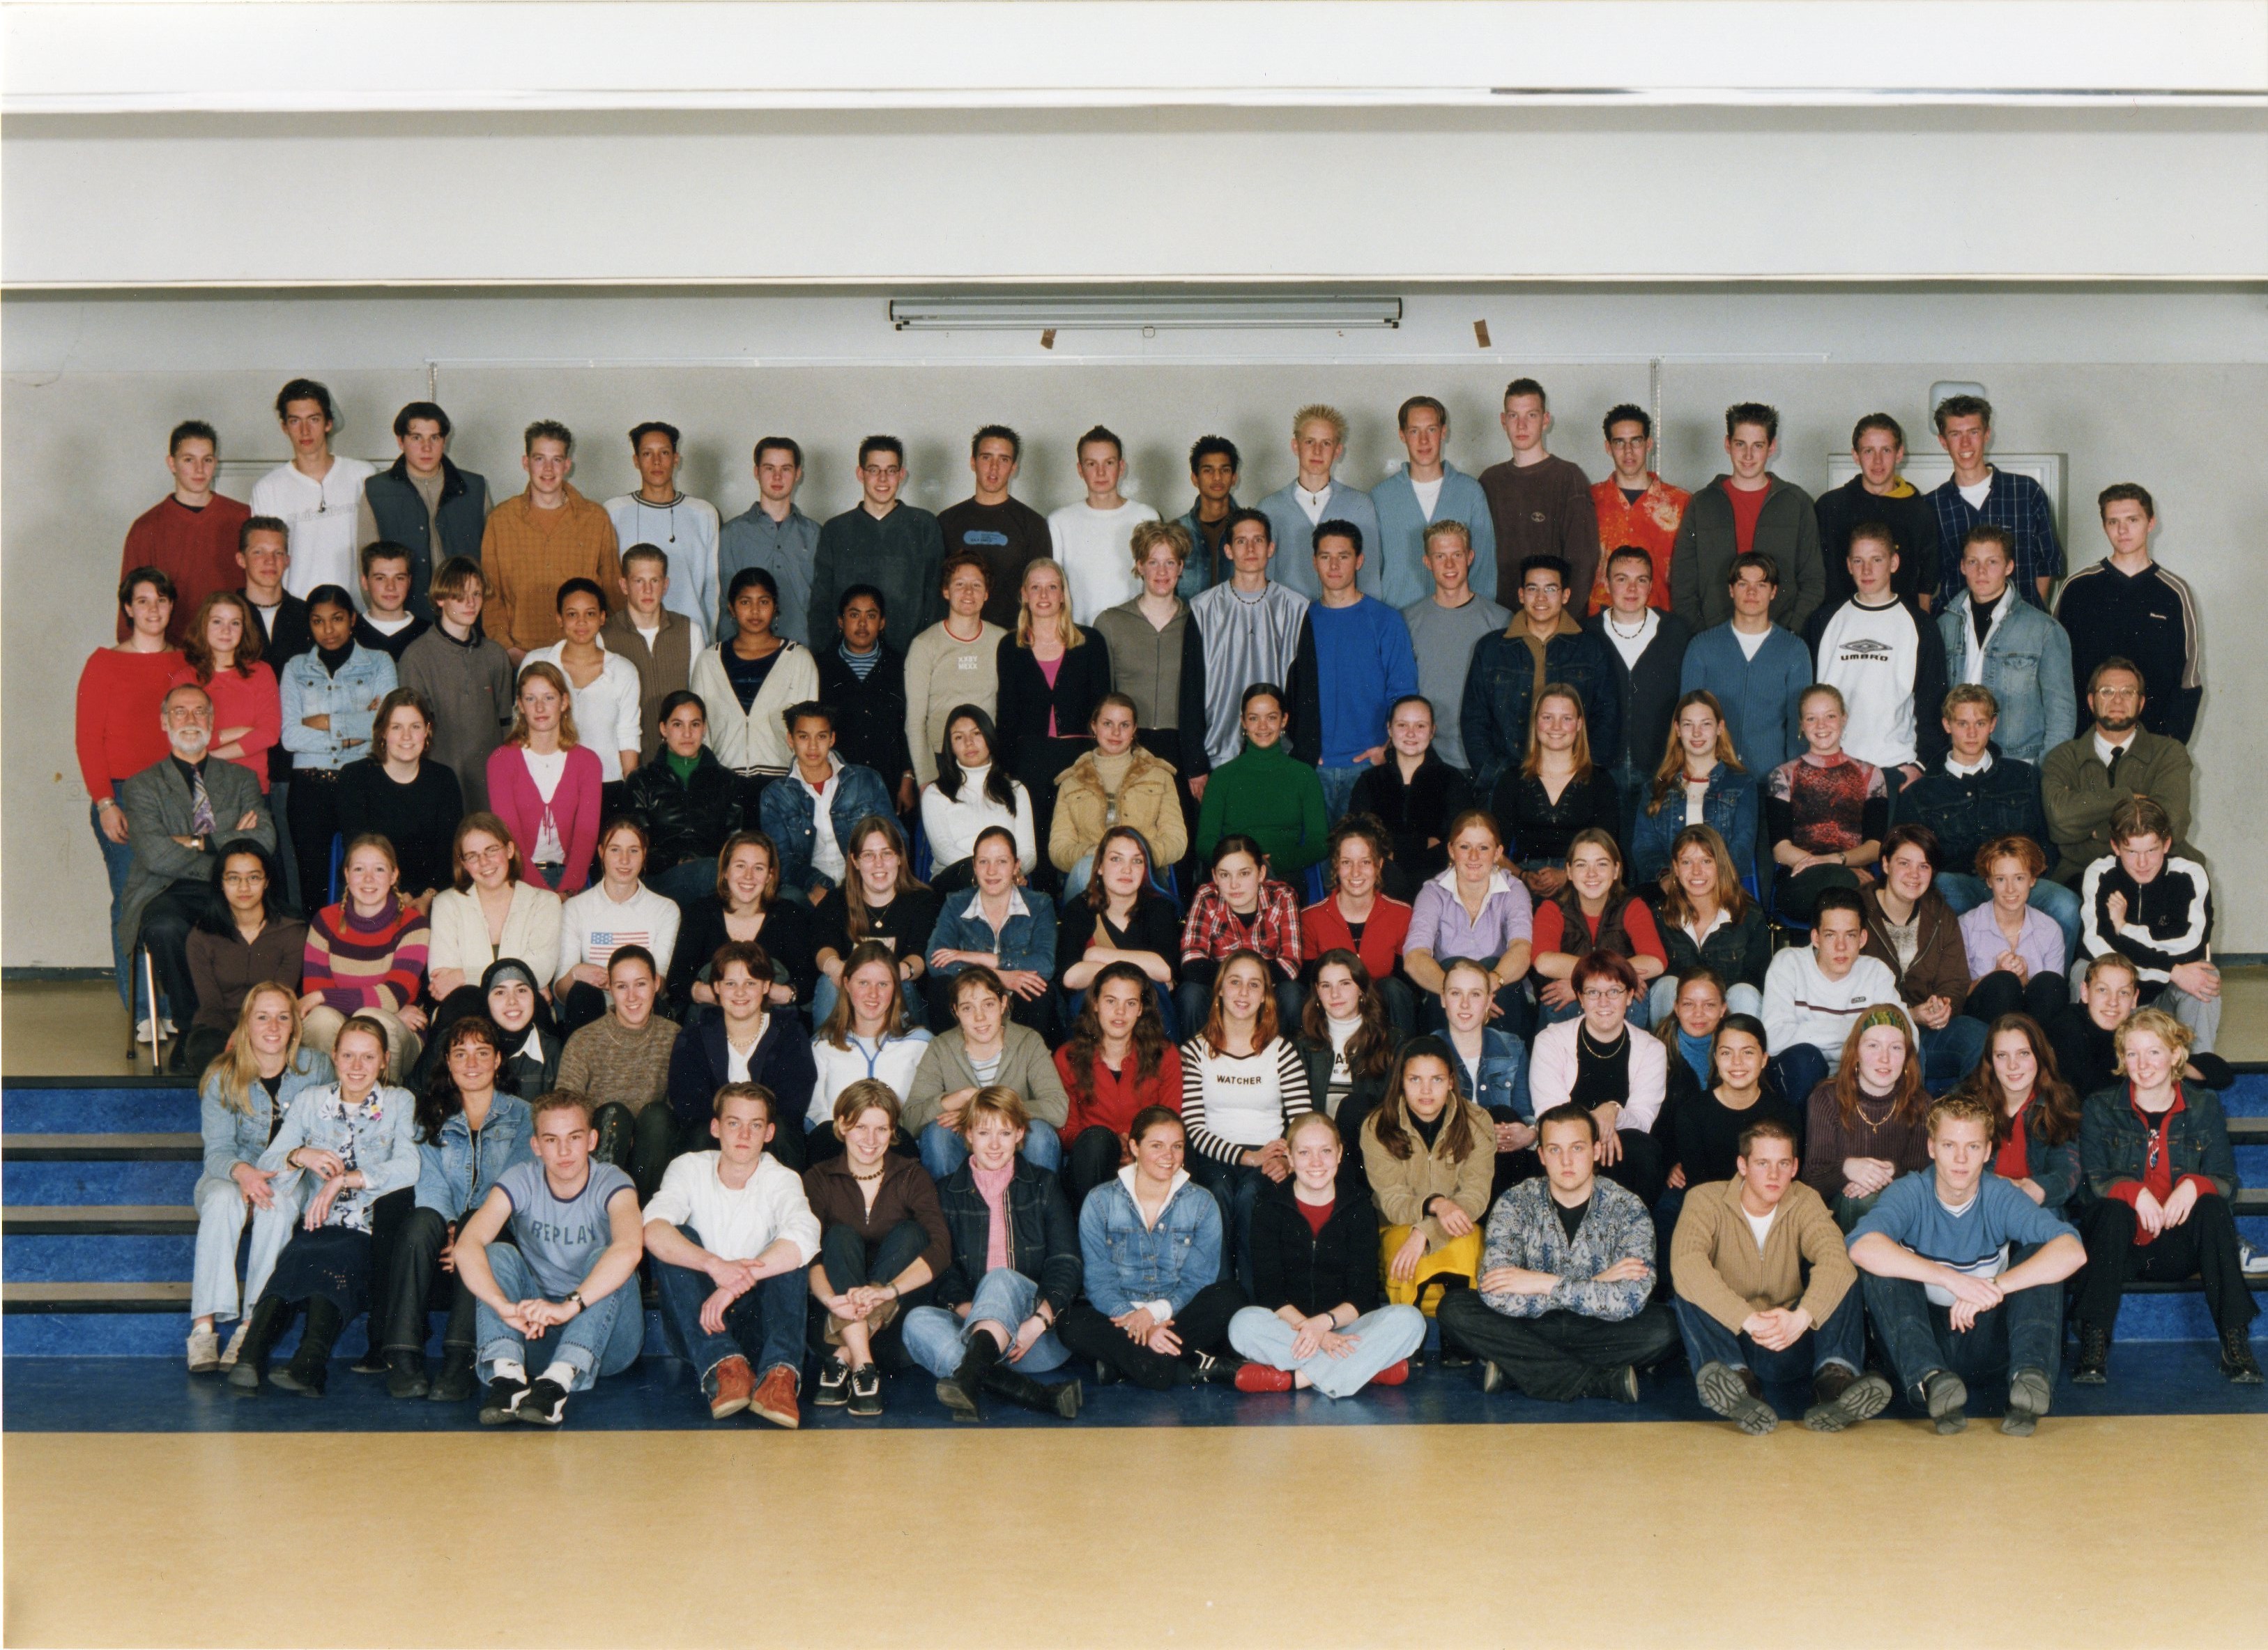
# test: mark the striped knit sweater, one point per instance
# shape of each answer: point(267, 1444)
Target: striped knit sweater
point(353, 962)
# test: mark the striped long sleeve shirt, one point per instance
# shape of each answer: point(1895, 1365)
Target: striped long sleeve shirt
point(355, 962)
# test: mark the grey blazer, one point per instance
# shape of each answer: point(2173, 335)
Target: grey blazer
point(156, 804)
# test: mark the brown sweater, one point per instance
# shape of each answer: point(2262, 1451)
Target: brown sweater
point(224, 969)
point(615, 1065)
point(528, 553)
point(1715, 1265)
point(1827, 1141)
point(907, 1193)
point(1940, 960)
point(1542, 510)
point(663, 668)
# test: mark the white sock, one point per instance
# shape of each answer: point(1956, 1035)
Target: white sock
point(562, 1373)
point(504, 1369)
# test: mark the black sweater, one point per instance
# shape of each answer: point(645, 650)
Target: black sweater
point(1913, 522)
point(1648, 695)
point(870, 715)
point(786, 937)
point(1292, 1266)
point(1415, 812)
point(1082, 677)
point(1155, 926)
point(904, 923)
point(419, 819)
point(1705, 1134)
point(686, 820)
point(2148, 618)
point(2086, 1055)
point(1536, 828)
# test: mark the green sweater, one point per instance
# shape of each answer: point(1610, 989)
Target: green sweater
point(1264, 793)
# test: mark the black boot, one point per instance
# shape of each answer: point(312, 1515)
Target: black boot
point(2093, 1368)
point(456, 1382)
point(1020, 1388)
point(2237, 1359)
point(269, 1319)
point(616, 1128)
point(958, 1391)
point(405, 1375)
point(309, 1371)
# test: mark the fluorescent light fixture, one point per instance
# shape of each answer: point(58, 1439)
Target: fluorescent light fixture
point(1076, 312)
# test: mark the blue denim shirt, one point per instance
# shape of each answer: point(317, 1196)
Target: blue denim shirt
point(2028, 668)
point(233, 1137)
point(787, 818)
point(1127, 1264)
point(350, 699)
point(455, 1173)
point(375, 1137)
point(1729, 809)
point(1496, 1088)
point(1500, 691)
point(1026, 941)
point(1196, 571)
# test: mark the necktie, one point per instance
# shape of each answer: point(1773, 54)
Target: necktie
point(201, 813)
point(2117, 756)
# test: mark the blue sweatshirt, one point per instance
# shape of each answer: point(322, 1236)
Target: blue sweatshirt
point(1761, 696)
point(1364, 662)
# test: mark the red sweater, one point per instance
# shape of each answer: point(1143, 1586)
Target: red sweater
point(243, 702)
point(1322, 928)
point(1550, 927)
point(1117, 1095)
point(196, 548)
point(119, 698)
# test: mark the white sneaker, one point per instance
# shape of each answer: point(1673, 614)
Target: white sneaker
point(2250, 1259)
point(142, 1032)
point(204, 1352)
point(236, 1343)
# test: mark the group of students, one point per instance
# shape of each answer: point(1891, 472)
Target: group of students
point(1527, 840)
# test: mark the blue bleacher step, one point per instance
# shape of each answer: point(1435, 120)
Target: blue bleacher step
point(125, 1258)
point(126, 1107)
point(36, 1182)
point(112, 1333)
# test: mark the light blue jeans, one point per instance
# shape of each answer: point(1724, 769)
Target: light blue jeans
point(1078, 877)
point(604, 1338)
point(936, 1337)
point(943, 1150)
point(1661, 1000)
point(1964, 893)
point(221, 1214)
point(1338, 789)
point(1382, 1337)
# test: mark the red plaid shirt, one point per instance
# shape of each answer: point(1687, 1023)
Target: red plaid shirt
point(1212, 931)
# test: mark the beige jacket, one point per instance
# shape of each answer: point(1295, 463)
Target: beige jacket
point(1399, 1186)
point(1147, 802)
point(1715, 1265)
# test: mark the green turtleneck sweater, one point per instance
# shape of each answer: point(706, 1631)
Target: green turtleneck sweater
point(1264, 793)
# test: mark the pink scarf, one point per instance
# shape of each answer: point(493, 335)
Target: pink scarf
point(992, 1186)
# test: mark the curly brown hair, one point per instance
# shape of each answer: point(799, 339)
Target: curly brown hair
point(1084, 1044)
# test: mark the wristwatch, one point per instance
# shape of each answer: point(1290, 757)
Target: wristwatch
point(576, 1295)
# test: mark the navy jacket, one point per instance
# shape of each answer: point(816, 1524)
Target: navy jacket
point(700, 1065)
point(1043, 1237)
point(1500, 692)
point(1967, 811)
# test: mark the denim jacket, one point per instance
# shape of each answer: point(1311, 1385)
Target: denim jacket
point(1496, 1087)
point(2113, 1142)
point(787, 816)
point(2055, 1168)
point(350, 699)
point(1730, 809)
point(2028, 668)
point(1042, 1243)
point(375, 1138)
point(1500, 691)
point(1967, 811)
point(1128, 1263)
point(233, 1137)
point(1026, 941)
point(455, 1172)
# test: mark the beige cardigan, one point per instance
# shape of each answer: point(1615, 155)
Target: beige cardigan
point(1401, 1186)
point(1715, 1265)
point(753, 739)
point(459, 938)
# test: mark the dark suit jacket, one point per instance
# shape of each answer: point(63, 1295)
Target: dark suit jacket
point(156, 804)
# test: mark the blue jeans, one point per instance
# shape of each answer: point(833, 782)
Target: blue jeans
point(1236, 1188)
point(1950, 1055)
point(1964, 894)
point(688, 881)
point(221, 1214)
point(936, 1337)
point(765, 1325)
point(943, 1150)
point(604, 1338)
point(1338, 789)
point(1842, 1340)
point(1078, 877)
point(117, 860)
point(2025, 1331)
point(1382, 1338)
point(1800, 1068)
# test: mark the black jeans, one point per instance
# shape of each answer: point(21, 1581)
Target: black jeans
point(1203, 1326)
point(2025, 1331)
point(849, 1260)
point(1998, 993)
point(314, 807)
point(644, 1144)
point(1236, 1188)
point(1555, 1355)
point(166, 924)
point(1643, 1168)
point(1795, 896)
point(416, 1285)
point(2203, 1246)
point(1092, 1159)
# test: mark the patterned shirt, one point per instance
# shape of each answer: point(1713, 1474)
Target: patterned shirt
point(1827, 801)
point(2017, 503)
point(1213, 930)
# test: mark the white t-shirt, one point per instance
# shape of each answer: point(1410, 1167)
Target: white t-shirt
point(389, 627)
point(742, 1225)
point(826, 853)
point(1632, 648)
point(1760, 1224)
point(1750, 642)
point(1873, 655)
point(1096, 549)
point(547, 769)
point(318, 523)
point(1429, 494)
point(1311, 504)
point(1976, 495)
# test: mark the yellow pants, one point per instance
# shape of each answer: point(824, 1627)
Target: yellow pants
point(1459, 1257)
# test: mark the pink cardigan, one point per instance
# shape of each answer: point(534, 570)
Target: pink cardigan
point(1551, 1073)
point(513, 798)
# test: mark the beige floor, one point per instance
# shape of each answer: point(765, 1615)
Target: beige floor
point(1388, 1536)
point(76, 1028)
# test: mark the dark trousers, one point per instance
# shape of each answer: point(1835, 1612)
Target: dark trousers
point(1643, 1168)
point(1998, 993)
point(1842, 1340)
point(166, 924)
point(2025, 1331)
point(642, 1144)
point(1193, 998)
point(1094, 1159)
point(314, 807)
point(765, 1326)
point(416, 1285)
point(2203, 1246)
point(1236, 1188)
point(1555, 1356)
point(850, 1260)
point(580, 1004)
point(390, 1219)
point(1797, 897)
point(1203, 1326)
point(1799, 1068)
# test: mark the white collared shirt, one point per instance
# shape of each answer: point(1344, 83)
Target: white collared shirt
point(1312, 504)
point(1961, 769)
point(2104, 748)
point(826, 853)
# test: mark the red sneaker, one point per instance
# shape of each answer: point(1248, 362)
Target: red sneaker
point(775, 1400)
point(1393, 1376)
point(1263, 1378)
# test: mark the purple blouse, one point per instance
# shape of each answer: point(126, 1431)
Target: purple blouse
point(2040, 946)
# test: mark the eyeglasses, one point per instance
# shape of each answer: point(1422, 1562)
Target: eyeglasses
point(1603, 994)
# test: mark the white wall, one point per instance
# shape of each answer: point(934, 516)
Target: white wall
point(2170, 389)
